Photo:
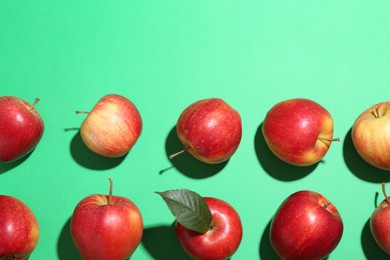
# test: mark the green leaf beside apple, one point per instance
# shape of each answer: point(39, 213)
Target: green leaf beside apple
point(189, 209)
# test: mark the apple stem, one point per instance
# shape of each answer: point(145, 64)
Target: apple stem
point(384, 193)
point(337, 139)
point(82, 112)
point(110, 192)
point(376, 112)
point(35, 102)
point(326, 204)
point(179, 152)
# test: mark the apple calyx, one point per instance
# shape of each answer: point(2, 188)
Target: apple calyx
point(387, 199)
point(109, 198)
point(189, 209)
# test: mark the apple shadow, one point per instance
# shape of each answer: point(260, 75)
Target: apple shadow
point(265, 250)
point(88, 159)
point(275, 167)
point(7, 166)
point(65, 247)
point(358, 166)
point(186, 163)
point(161, 243)
point(370, 247)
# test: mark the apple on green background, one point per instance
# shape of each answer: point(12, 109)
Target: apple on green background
point(298, 131)
point(206, 228)
point(19, 229)
point(112, 127)
point(106, 227)
point(380, 223)
point(305, 226)
point(371, 135)
point(21, 128)
point(210, 130)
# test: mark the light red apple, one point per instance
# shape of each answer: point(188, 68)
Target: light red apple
point(207, 228)
point(380, 223)
point(210, 130)
point(112, 127)
point(19, 229)
point(106, 227)
point(305, 226)
point(21, 128)
point(298, 131)
point(371, 135)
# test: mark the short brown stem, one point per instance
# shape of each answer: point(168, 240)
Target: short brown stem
point(375, 111)
point(35, 102)
point(179, 152)
point(337, 139)
point(110, 192)
point(326, 204)
point(384, 193)
point(82, 112)
point(176, 154)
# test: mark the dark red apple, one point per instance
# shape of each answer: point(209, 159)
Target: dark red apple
point(210, 130)
point(112, 127)
point(21, 128)
point(207, 228)
point(106, 227)
point(19, 230)
point(305, 226)
point(298, 131)
point(380, 223)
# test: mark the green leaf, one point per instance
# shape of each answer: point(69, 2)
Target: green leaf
point(189, 209)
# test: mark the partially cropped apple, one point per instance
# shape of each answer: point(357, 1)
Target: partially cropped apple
point(112, 127)
point(19, 229)
point(371, 135)
point(298, 131)
point(380, 223)
point(305, 226)
point(106, 227)
point(210, 130)
point(21, 128)
point(207, 228)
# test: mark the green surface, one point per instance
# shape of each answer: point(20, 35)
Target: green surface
point(164, 55)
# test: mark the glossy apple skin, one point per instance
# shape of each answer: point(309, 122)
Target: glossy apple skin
point(19, 229)
point(21, 128)
point(221, 241)
point(371, 136)
point(380, 225)
point(210, 130)
point(305, 226)
point(112, 127)
point(106, 231)
point(292, 129)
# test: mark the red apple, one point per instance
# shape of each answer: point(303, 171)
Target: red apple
point(380, 223)
point(298, 131)
point(207, 228)
point(106, 227)
point(371, 135)
point(112, 127)
point(19, 230)
point(21, 128)
point(210, 130)
point(305, 226)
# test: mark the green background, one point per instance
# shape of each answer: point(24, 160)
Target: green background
point(164, 55)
